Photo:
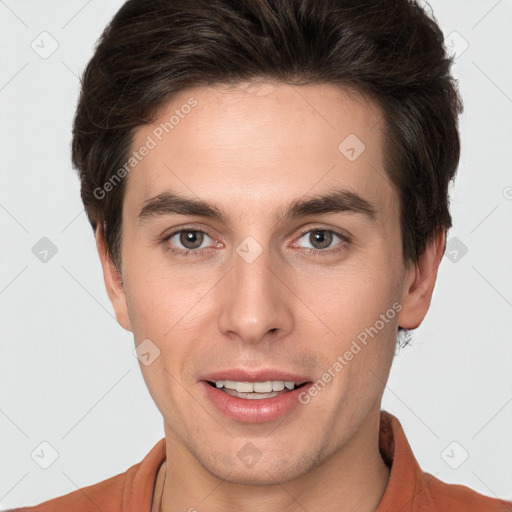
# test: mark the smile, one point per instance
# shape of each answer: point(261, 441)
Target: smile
point(253, 402)
point(255, 390)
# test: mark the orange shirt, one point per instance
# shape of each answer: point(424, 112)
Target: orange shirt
point(409, 488)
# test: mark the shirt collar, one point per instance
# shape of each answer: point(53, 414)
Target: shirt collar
point(407, 484)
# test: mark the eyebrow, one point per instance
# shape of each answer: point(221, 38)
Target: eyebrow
point(337, 201)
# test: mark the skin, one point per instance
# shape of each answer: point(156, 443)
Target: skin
point(251, 150)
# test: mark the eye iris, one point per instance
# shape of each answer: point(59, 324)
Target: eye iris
point(321, 239)
point(193, 237)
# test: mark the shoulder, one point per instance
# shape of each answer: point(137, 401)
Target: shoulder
point(128, 491)
point(410, 489)
point(459, 498)
point(107, 494)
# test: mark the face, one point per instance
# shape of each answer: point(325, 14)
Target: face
point(287, 269)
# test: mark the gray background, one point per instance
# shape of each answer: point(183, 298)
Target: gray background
point(68, 374)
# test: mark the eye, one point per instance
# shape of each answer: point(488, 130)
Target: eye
point(186, 241)
point(321, 240)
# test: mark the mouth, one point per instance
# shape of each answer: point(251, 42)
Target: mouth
point(253, 397)
point(255, 390)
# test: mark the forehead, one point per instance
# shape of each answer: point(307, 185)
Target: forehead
point(263, 142)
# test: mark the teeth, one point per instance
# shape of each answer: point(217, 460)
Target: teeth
point(277, 385)
point(255, 387)
point(244, 387)
point(262, 387)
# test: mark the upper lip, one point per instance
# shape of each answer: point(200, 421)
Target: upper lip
point(261, 375)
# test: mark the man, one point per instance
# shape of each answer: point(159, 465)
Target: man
point(268, 186)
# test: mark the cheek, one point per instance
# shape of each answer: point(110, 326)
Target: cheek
point(352, 298)
point(357, 361)
point(148, 306)
point(358, 312)
point(169, 306)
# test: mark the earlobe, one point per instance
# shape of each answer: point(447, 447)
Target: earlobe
point(113, 281)
point(419, 283)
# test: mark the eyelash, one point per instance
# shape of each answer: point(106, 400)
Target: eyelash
point(199, 252)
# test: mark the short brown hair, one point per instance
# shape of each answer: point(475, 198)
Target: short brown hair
point(390, 50)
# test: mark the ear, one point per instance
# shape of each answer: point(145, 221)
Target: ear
point(113, 281)
point(419, 283)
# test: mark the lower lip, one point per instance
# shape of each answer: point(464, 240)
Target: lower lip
point(253, 411)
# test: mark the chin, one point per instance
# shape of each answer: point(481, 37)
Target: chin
point(271, 470)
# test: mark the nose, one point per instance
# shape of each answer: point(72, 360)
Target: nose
point(256, 305)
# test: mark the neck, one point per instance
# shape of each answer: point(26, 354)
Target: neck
point(353, 478)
